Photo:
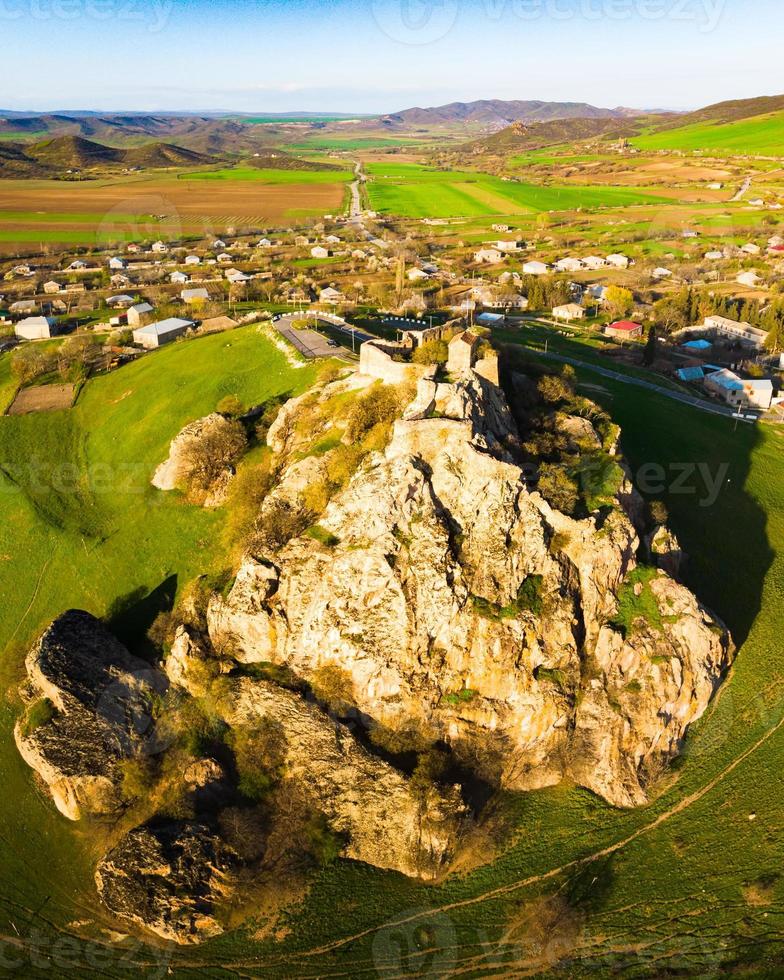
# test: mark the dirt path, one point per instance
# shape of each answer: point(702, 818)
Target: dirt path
point(425, 914)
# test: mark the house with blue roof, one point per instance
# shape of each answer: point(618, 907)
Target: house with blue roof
point(740, 393)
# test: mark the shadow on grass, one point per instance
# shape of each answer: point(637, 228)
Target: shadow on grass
point(131, 616)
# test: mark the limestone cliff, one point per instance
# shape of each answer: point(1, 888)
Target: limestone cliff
point(454, 596)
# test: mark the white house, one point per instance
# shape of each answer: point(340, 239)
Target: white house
point(750, 248)
point(159, 247)
point(225, 257)
point(137, 312)
point(199, 295)
point(116, 264)
point(750, 279)
point(23, 306)
point(235, 276)
point(36, 328)
point(319, 252)
point(162, 332)
point(331, 296)
point(264, 243)
point(714, 255)
point(619, 261)
point(535, 269)
point(218, 244)
point(735, 330)
point(738, 392)
point(491, 256)
point(77, 265)
point(570, 311)
point(52, 286)
point(594, 262)
point(192, 260)
point(179, 278)
point(417, 275)
point(568, 265)
point(515, 245)
point(121, 301)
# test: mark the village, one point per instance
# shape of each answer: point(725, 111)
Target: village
point(357, 277)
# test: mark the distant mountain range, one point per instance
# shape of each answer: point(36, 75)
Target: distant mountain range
point(494, 114)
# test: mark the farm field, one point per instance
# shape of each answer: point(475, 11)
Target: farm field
point(264, 175)
point(701, 914)
point(417, 192)
point(756, 135)
point(146, 208)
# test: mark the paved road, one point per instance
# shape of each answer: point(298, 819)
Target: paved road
point(712, 408)
point(312, 344)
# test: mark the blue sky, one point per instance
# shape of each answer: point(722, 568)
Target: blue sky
point(383, 55)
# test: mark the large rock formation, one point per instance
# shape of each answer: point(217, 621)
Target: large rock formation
point(444, 600)
point(90, 709)
point(168, 879)
point(454, 596)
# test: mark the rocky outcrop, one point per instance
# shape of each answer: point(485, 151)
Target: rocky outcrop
point(98, 712)
point(369, 804)
point(665, 551)
point(455, 597)
point(168, 879)
point(177, 469)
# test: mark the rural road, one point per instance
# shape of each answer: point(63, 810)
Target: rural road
point(743, 191)
point(355, 213)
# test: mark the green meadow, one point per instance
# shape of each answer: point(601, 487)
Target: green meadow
point(758, 134)
point(264, 175)
point(413, 191)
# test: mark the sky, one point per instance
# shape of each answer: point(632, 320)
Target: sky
point(383, 55)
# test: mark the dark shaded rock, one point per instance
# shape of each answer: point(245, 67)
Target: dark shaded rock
point(100, 703)
point(168, 879)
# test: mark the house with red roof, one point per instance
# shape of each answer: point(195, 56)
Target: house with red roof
point(623, 330)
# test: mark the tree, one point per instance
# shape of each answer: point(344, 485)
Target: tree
point(649, 354)
point(207, 458)
point(431, 352)
point(619, 300)
point(774, 342)
point(558, 488)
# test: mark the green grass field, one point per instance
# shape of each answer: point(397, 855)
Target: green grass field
point(414, 191)
point(759, 134)
point(688, 886)
point(268, 176)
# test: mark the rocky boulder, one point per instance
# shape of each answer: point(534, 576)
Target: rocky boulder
point(91, 707)
point(169, 879)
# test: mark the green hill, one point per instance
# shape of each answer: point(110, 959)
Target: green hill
point(756, 135)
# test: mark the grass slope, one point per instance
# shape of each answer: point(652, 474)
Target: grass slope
point(757, 135)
